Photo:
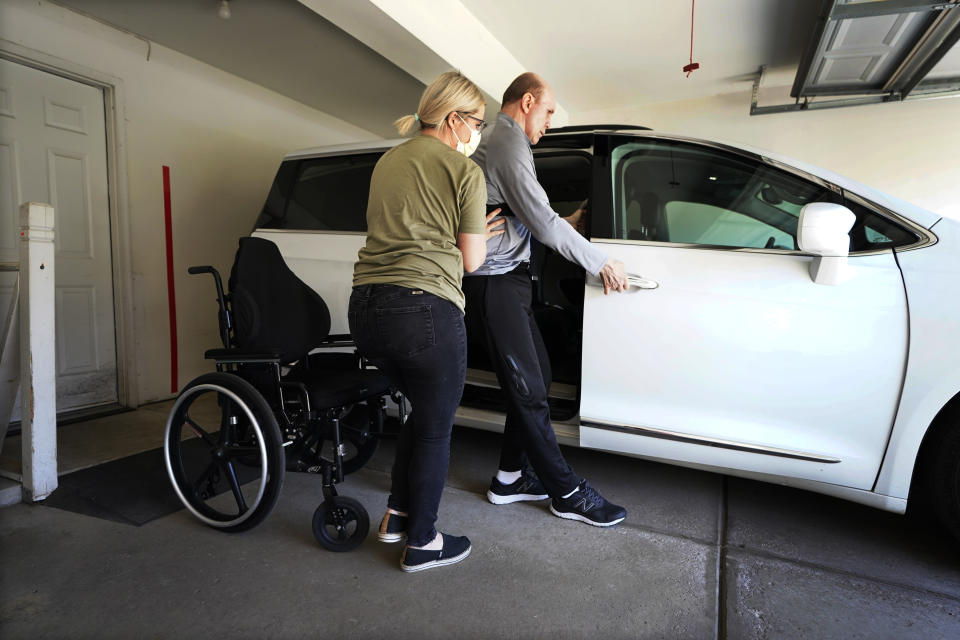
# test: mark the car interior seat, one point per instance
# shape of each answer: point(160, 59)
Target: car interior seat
point(647, 219)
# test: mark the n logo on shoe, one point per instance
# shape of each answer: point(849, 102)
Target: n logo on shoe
point(584, 505)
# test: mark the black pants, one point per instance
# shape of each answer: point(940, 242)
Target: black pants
point(499, 314)
point(419, 341)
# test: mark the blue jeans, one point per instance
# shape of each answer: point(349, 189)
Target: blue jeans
point(420, 342)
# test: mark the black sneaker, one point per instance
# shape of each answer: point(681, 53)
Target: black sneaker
point(587, 505)
point(393, 527)
point(526, 487)
point(455, 549)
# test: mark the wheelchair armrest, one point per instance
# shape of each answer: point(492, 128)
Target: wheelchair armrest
point(241, 355)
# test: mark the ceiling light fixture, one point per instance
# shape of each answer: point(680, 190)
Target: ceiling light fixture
point(224, 11)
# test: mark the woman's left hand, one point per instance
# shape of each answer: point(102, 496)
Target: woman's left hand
point(492, 229)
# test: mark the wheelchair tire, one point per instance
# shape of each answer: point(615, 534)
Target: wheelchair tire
point(223, 452)
point(340, 523)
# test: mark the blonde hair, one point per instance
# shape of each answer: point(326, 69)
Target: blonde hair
point(451, 91)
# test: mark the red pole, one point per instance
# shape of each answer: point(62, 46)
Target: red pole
point(171, 292)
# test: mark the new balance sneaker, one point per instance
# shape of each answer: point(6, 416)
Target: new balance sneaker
point(526, 487)
point(393, 527)
point(587, 505)
point(455, 549)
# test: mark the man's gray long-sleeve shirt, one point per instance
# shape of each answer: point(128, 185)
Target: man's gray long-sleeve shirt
point(506, 159)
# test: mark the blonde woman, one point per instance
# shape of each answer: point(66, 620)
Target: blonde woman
point(426, 224)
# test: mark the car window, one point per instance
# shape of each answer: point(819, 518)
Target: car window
point(872, 231)
point(697, 223)
point(271, 215)
point(668, 191)
point(673, 192)
point(328, 194)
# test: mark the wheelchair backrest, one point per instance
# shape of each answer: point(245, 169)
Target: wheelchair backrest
point(272, 308)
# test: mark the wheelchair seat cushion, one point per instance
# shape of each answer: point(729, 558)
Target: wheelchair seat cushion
point(273, 309)
point(329, 389)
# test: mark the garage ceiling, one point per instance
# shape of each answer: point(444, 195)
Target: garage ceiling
point(619, 53)
point(278, 44)
point(366, 61)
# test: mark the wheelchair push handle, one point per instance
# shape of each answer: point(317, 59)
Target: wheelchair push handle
point(226, 324)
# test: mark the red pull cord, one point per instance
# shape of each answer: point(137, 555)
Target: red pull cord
point(693, 66)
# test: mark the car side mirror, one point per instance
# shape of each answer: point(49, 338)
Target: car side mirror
point(823, 231)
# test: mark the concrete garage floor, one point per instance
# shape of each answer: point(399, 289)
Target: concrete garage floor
point(699, 556)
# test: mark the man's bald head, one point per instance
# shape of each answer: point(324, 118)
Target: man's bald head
point(528, 82)
point(531, 103)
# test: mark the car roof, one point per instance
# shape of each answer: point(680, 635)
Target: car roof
point(353, 147)
point(383, 145)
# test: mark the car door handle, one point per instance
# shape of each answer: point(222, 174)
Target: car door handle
point(641, 283)
point(635, 281)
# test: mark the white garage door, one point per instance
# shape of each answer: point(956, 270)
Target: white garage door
point(53, 149)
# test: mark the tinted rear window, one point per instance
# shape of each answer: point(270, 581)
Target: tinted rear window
point(322, 194)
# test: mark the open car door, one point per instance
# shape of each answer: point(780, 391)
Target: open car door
point(725, 352)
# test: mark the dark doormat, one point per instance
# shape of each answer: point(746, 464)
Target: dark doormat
point(133, 490)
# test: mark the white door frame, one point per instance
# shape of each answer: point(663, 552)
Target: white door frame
point(119, 209)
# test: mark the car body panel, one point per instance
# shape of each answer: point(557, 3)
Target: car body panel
point(932, 279)
point(672, 452)
point(743, 349)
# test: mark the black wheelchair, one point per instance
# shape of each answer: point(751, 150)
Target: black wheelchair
point(279, 400)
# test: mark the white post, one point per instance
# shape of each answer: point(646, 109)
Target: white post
point(38, 383)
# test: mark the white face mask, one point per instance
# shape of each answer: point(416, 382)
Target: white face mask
point(467, 148)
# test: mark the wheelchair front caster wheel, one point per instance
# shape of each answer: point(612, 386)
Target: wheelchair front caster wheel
point(340, 523)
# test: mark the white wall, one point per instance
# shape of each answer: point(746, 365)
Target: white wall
point(222, 138)
point(906, 149)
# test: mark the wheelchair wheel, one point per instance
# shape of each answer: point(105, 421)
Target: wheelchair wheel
point(223, 452)
point(340, 523)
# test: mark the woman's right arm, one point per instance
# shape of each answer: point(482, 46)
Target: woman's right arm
point(473, 246)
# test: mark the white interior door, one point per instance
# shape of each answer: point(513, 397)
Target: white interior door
point(53, 149)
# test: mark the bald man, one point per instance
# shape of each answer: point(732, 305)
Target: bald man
point(498, 309)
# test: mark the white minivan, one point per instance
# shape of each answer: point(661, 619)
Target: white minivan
point(784, 324)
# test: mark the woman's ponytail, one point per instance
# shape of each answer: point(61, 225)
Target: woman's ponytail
point(406, 124)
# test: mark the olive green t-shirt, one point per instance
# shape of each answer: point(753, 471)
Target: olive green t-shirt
point(422, 193)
